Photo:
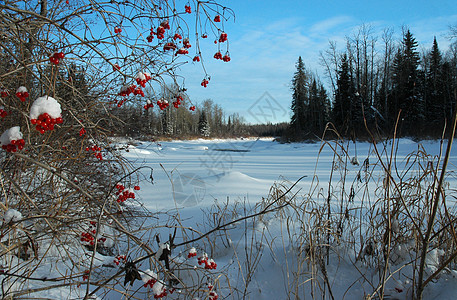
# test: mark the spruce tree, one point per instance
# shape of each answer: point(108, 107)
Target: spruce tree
point(203, 125)
point(298, 123)
point(342, 106)
point(407, 87)
point(435, 100)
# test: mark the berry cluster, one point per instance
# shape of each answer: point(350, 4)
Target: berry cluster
point(213, 295)
point(123, 193)
point(226, 57)
point(217, 18)
point(45, 122)
point(117, 29)
point(142, 77)
point(177, 103)
point(161, 29)
point(82, 132)
point(116, 67)
point(4, 93)
point(150, 283)
point(223, 37)
point(86, 275)
point(150, 280)
point(210, 264)
point(22, 93)
point(14, 145)
point(181, 50)
point(127, 90)
point(186, 43)
point(169, 46)
point(162, 104)
point(177, 36)
point(218, 55)
point(120, 103)
point(3, 112)
point(204, 82)
point(148, 105)
point(196, 58)
point(56, 57)
point(120, 258)
point(188, 9)
point(88, 237)
point(192, 252)
point(192, 108)
point(96, 149)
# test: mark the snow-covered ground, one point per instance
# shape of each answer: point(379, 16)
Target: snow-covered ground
point(207, 181)
point(193, 175)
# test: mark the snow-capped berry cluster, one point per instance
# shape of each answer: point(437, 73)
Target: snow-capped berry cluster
point(223, 37)
point(169, 46)
point(192, 252)
point(209, 263)
point(123, 194)
point(177, 103)
point(56, 57)
point(126, 90)
point(150, 280)
point(3, 112)
point(22, 93)
point(88, 237)
point(181, 50)
point(161, 29)
point(213, 295)
point(11, 140)
point(45, 122)
point(45, 112)
point(120, 259)
point(186, 43)
point(142, 78)
point(162, 103)
point(117, 29)
point(148, 104)
point(96, 150)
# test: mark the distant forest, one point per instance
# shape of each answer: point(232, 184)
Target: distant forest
point(375, 86)
point(375, 93)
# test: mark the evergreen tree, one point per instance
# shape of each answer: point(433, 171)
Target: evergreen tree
point(300, 101)
point(344, 97)
point(203, 125)
point(406, 95)
point(435, 100)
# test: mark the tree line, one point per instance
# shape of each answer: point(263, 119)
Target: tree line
point(376, 90)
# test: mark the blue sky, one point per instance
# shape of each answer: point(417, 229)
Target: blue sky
point(268, 36)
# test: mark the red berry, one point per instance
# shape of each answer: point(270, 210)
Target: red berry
point(188, 9)
point(217, 18)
